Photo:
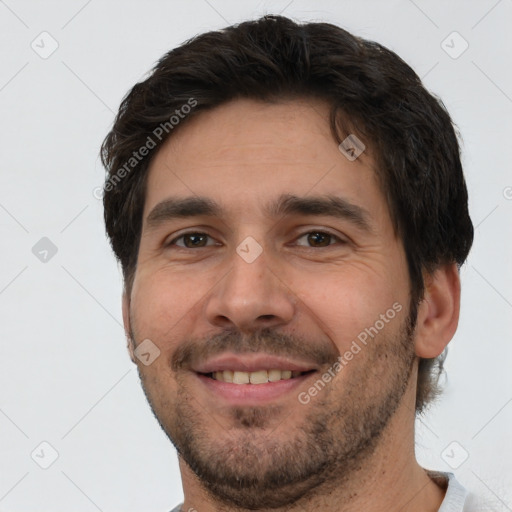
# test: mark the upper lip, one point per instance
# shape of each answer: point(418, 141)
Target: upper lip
point(252, 363)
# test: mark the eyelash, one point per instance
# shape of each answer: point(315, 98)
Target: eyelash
point(338, 239)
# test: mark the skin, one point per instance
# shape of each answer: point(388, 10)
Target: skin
point(243, 154)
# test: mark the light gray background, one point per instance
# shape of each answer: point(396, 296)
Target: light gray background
point(66, 377)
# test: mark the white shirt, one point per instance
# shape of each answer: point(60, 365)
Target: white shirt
point(456, 499)
point(456, 495)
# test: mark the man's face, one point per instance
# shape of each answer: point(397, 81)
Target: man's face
point(271, 286)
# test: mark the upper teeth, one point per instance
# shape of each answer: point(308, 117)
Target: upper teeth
point(258, 377)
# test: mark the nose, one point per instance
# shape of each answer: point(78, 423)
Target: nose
point(251, 296)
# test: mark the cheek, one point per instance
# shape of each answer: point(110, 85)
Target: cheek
point(161, 304)
point(345, 303)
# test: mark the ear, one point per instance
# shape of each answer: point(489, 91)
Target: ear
point(127, 326)
point(438, 312)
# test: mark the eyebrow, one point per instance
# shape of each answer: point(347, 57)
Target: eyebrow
point(285, 205)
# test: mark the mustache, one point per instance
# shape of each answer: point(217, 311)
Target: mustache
point(194, 351)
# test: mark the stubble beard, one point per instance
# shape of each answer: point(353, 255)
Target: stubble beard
point(250, 465)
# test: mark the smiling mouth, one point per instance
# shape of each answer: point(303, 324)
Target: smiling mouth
point(256, 377)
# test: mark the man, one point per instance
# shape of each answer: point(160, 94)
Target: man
point(289, 209)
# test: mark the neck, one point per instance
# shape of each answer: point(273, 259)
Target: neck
point(390, 479)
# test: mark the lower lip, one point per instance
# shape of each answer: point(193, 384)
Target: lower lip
point(246, 394)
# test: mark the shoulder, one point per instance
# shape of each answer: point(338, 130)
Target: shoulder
point(457, 497)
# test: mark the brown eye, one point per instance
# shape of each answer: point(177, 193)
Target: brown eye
point(319, 239)
point(192, 240)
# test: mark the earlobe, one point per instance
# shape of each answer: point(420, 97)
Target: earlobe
point(438, 312)
point(127, 326)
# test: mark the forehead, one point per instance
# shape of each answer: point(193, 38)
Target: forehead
point(245, 152)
